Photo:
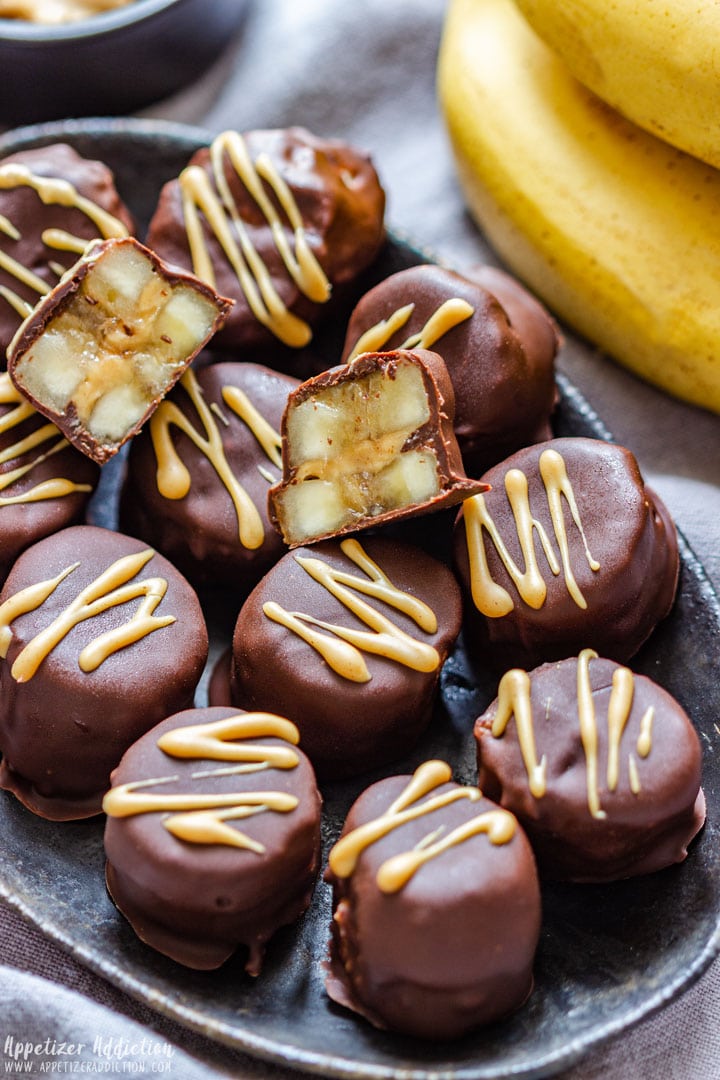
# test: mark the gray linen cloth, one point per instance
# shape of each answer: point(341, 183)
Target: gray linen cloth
point(365, 71)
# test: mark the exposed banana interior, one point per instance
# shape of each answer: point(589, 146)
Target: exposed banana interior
point(350, 450)
point(114, 347)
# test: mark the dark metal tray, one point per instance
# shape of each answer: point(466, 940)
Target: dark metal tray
point(608, 956)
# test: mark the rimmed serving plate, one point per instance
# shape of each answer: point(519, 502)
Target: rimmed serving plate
point(608, 956)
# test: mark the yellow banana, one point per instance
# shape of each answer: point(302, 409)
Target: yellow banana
point(655, 61)
point(618, 232)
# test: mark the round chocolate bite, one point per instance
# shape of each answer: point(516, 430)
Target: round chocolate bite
point(101, 639)
point(436, 907)
point(500, 359)
point(601, 767)
point(53, 201)
point(294, 219)
point(568, 550)
point(213, 834)
point(347, 640)
point(45, 484)
point(198, 475)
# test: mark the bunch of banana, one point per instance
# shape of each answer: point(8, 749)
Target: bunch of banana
point(617, 231)
point(655, 61)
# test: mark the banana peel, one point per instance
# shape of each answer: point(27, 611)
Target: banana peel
point(655, 61)
point(618, 232)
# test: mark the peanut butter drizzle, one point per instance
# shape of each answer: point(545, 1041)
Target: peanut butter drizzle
point(450, 314)
point(490, 598)
point(644, 743)
point(173, 478)
point(200, 819)
point(111, 589)
point(394, 873)
point(514, 699)
point(386, 639)
point(52, 488)
point(51, 191)
point(223, 217)
point(589, 732)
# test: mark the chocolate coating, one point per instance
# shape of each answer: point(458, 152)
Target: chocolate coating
point(628, 832)
point(199, 902)
point(346, 726)
point(43, 487)
point(454, 947)
point(433, 437)
point(340, 203)
point(30, 219)
point(63, 729)
point(626, 576)
point(500, 358)
point(200, 532)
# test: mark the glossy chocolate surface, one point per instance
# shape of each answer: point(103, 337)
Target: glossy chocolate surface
point(453, 947)
point(198, 902)
point(340, 204)
point(63, 729)
point(616, 769)
point(596, 568)
point(349, 720)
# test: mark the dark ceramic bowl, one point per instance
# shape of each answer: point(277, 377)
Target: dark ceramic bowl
point(111, 63)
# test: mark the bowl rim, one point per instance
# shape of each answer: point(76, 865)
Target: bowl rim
point(29, 136)
point(24, 32)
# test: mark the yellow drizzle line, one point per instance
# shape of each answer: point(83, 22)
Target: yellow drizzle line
point(644, 743)
point(588, 731)
point(619, 706)
point(222, 215)
point(384, 639)
point(173, 478)
point(450, 314)
point(200, 819)
point(394, 873)
point(490, 598)
point(514, 699)
point(54, 488)
point(56, 192)
point(109, 590)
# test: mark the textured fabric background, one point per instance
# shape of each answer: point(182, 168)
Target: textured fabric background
point(365, 71)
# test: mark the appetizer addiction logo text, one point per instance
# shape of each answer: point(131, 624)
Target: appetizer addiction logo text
point(105, 1055)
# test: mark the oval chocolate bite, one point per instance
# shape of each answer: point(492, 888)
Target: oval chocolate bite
point(101, 638)
point(436, 907)
point(347, 640)
point(213, 834)
point(568, 550)
point(275, 220)
point(600, 765)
